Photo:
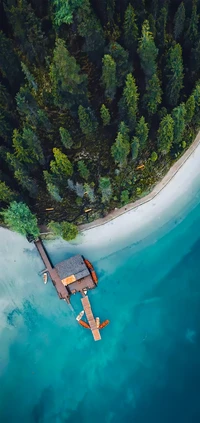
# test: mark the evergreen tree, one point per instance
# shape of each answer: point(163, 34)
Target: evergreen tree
point(89, 190)
point(105, 188)
point(153, 96)
point(27, 31)
point(61, 166)
point(54, 192)
point(87, 120)
point(161, 27)
point(129, 102)
point(135, 145)
point(178, 115)
point(124, 198)
point(66, 230)
point(66, 138)
point(19, 218)
point(29, 77)
point(142, 132)
point(83, 170)
point(179, 21)
point(30, 111)
point(191, 34)
point(190, 108)
point(109, 76)
point(64, 10)
point(6, 194)
point(105, 115)
point(90, 28)
point(9, 62)
point(69, 85)
point(121, 147)
point(147, 51)
point(130, 29)
point(174, 73)
point(152, 25)
point(7, 116)
point(165, 134)
point(29, 184)
point(27, 146)
point(121, 58)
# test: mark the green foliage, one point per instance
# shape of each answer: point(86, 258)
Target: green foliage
point(105, 115)
point(135, 145)
point(174, 73)
point(121, 147)
point(87, 120)
point(105, 188)
point(29, 77)
point(27, 146)
point(152, 25)
point(83, 170)
point(121, 58)
point(165, 134)
point(153, 96)
point(61, 166)
point(191, 34)
point(130, 28)
point(154, 156)
point(89, 191)
point(124, 198)
point(90, 28)
point(68, 84)
point(147, 51)
point(178, 115)
point(64, 10)
point(129, 101)
point(183, 144)
point(6, 194)
point(161, 27)
point(52, 188)
point(66, 138)
point(142, 131)
point(19, 218)
point(109, 76)
point(179, 21)
point(68, 231)
point(29, 110)
point(9, 62)
point(190, 108)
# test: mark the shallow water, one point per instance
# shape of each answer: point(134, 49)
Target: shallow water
point(147, 366)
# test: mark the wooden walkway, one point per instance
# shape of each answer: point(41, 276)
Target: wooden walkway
point(61, 290)
point(90, 318)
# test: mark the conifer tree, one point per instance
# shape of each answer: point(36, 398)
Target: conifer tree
point(109, 76)
point(29, 184)
point(9, 62)
point(130, 29)
point(153, 96)
point(129, 101)
point(192, 31)
point(90, 28)
point(178, 115)
point(121, 58)
point(152, 25)
point(6, 194)
point(69, 85)
point(174, 74)
point(66, 138)
point(83, 170)
point(147, 51)
point(27, 146)
point(61, 166)
point(190, 108)
point(29, 77)
point(87, 120)
point(121, 147)
point(179, 21)
point(105, 188)
point(105, 115)
point(19, 218)
point(142, 132)
point(165, 134)
point(64, 10)
point(161, 27)
point(135, 145)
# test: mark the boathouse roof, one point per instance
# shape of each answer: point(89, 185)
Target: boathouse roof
point(72, 266)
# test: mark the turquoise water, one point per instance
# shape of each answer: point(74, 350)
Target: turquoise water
point(147, 366)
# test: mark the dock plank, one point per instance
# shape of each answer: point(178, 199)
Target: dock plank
point(90, 317)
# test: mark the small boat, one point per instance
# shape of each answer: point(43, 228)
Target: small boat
point(85, 291)
point(97, 322)
point(92, 271)
point(104, 324)
point(45, 277)
point(80, 315)
point(84, 324)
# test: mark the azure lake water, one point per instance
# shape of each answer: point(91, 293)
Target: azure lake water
point(147, 366)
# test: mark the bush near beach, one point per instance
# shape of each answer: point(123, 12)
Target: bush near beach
point(97, 99)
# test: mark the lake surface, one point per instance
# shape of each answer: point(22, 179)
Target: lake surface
point(147, 366)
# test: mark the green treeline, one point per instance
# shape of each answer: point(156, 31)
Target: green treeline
point(89, 91)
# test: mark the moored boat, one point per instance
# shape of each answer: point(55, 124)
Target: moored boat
point(80, 315)
point(84, 324)
point(92, 271)
point(45, 277)
point(104, 324)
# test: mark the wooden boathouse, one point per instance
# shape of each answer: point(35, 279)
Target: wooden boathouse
point(70, 276)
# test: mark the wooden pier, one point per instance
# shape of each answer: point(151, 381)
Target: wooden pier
point(60, 288)
point(90, 318)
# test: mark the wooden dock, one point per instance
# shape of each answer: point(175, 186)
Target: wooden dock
point(90, 318)
point(61, 290)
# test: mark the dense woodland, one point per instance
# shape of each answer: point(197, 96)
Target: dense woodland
point(91, 90)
